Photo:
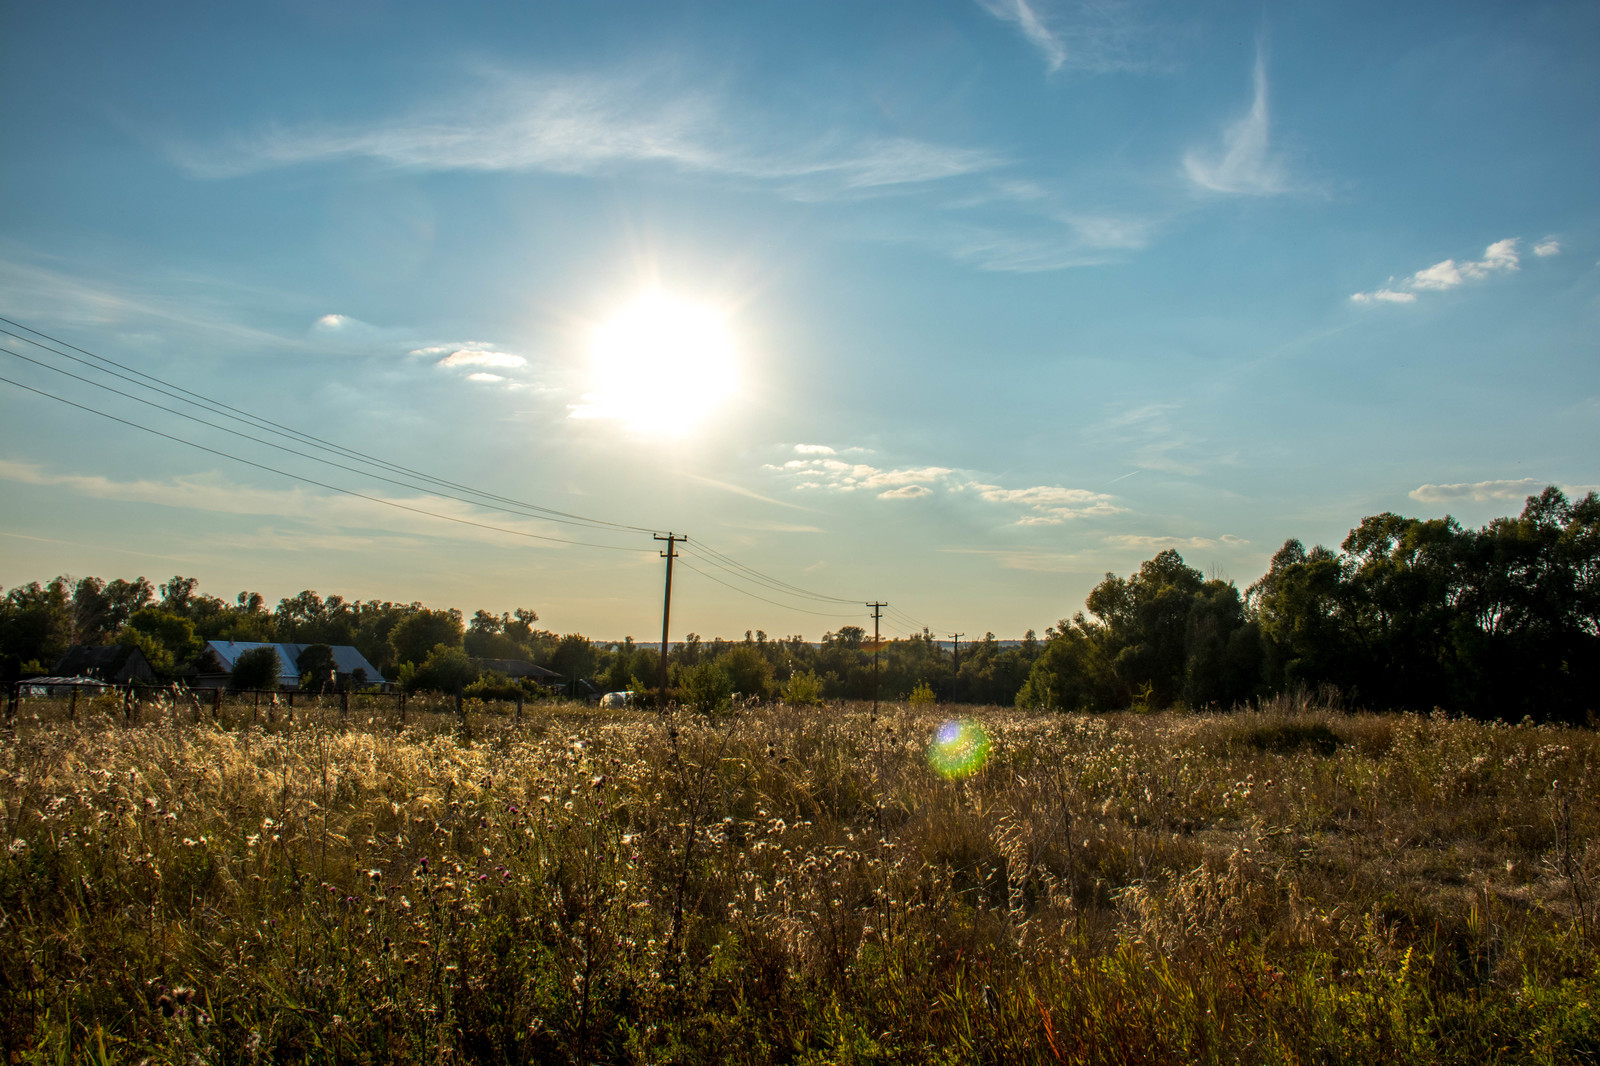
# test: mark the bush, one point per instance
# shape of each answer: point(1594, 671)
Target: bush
point(707, 688)
point(921, 695)
point(803, 689)
point(494, 685)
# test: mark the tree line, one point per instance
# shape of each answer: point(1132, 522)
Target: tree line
point(1500, 621)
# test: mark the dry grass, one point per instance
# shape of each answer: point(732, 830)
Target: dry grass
point(1290, 885)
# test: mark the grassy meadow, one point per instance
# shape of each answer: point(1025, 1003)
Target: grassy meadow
point(1294, 885)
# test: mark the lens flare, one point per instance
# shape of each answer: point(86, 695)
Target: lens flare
point(959, 749)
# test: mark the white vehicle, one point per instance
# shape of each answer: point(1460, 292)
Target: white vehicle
point(616, 699)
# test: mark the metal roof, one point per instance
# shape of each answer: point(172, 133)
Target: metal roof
point(345, 657)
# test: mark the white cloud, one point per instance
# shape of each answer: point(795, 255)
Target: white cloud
point(1039, 504)
point(589, 125)
point(1147, 543)
point(906, 492)
point(1499, 258)
point(474, 357)
point(485, 377)
point(813, 449)
point(1548, 246)
point(1047, 505)
point(1245, 163)
point(1389, 296)
point(1479, 491)
point(836, 475)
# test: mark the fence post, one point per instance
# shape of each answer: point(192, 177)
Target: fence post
point(402, 708)
point(127, 704)
point(216, 703)
point(344, 705)
point(72, 705)
point(519, 703)
point(13, 695)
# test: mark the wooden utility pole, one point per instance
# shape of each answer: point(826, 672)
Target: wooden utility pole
point(955, 663)
point(877, 613)
point(666, 612)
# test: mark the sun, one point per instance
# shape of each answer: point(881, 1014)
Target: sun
point(661, 365)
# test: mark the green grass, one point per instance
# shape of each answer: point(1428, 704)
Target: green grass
point(1292, 885)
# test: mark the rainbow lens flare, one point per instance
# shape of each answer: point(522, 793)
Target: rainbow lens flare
point(959, 749)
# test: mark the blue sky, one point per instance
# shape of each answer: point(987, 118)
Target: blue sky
point(1004, 294)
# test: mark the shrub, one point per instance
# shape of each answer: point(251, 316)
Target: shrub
point(803, 689)
point(707, 688)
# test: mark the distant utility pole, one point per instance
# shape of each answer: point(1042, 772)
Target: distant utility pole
point(666, 611)
point(955, 662)
point(877, 613)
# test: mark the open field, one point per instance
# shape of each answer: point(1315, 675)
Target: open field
point(1289, 885)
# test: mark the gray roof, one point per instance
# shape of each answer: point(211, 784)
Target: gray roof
point(346, 658)
point(520, 668)
point(106, 662)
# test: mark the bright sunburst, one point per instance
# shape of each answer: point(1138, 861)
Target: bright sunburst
point(661, 365)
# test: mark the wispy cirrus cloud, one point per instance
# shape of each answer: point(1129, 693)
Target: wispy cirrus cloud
point(1152, 543)
point(586, 125)
point(1501, 257)
point(1244, 163)
point(213, 493)
point(1098, 36)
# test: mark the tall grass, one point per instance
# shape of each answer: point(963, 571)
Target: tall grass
point(1289, 885)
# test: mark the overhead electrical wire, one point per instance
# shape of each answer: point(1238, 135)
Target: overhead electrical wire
point(704, 552)
point(747, 573)
point(526, 513)
point(217, 407)
point(313, 481)
point(763, 599)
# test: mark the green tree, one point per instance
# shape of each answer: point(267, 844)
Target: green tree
point(317, 668)
point(447, 668)
point(258, 668)
point(168, 640)
point(748, 671)
point(705, 687)
point(415, 636)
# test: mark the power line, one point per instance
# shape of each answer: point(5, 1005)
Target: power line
point(313, 481)
point(217, 407)
point(527, 513)
point(763, 599)
point(756, 577)
point(711, 556)
point(777, 583)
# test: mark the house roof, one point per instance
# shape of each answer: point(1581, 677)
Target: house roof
point(106, 662)
point(520, 668)
point(346, 658)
